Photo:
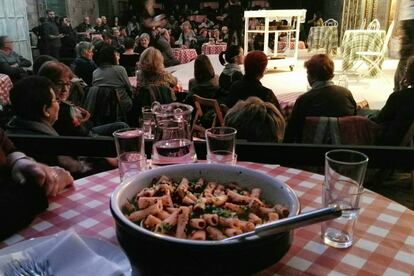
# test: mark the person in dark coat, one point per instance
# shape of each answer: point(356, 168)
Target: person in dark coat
point(83, 66)
point(24, 187)
point(254, 66)
point(11, 63)
point(51, 35)
point(234, 21)
point(397, 115)
point(325, 99)
point(231, 59)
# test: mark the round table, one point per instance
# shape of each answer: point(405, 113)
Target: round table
point(384, 236)
point(213, 49)
point(184, 55)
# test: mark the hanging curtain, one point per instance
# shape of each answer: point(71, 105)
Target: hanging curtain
point(356, 11)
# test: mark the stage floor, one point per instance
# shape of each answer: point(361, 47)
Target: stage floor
point(374, 90)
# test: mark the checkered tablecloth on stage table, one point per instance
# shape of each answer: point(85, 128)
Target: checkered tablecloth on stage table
point(287, 101)
point(213, 49)
point(5, 86)
point(323, 37)
point(184, 55)
point(384, 234)
point(360, 41)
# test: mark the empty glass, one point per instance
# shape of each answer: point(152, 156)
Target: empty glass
point(344, 176)
point(148, 122)
point(130, 150)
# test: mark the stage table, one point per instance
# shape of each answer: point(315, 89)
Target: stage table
point(5, 87)
point(184, 55)
point(383, 238)
point(325, 37)
point(213, 49)
point(360, 41)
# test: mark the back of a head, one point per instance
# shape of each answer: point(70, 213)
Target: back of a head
point(40, 60)
point(29, 103)
point(151, 61)
point(229, 55)
point(55, 71)
point(106, 55)
point(320, 67)
point(255, 64)
point(129, 43)
point(256, 121)
point(203, 69)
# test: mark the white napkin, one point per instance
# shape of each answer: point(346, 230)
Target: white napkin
point(69, 255)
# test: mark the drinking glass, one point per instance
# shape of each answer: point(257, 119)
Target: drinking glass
point(344, 176)
point(148, 122)
point(221, 145)
point(130, 150)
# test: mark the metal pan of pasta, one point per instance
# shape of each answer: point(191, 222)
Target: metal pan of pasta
point(181, 212)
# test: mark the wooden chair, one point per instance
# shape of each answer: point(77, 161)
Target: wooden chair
point(201, 105)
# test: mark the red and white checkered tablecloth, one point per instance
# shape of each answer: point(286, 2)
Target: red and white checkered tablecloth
point(213, 49)
point(5, 87)
point(184, 55)
point(384, 234)
point(287, 101)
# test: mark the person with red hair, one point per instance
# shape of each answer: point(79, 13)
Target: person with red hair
point(250, 86)
point(325, 99)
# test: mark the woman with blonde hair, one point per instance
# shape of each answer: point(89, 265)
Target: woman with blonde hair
point(256, 121)
point(151, 70)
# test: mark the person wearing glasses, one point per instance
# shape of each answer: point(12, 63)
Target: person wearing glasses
point(73, 120)
point(11, 63)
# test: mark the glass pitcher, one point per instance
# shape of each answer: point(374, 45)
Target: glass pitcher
point(172, 140)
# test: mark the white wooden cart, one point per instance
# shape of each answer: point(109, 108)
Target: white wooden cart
point(277, 57)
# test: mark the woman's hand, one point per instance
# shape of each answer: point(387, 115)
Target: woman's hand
point(84, 113)
point(52, 179)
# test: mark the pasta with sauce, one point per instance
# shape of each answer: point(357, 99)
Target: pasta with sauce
point(200, 210)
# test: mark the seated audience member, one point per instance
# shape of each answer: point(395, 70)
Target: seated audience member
point(202, 37)
point(206, 24)
point(39, 61)
point(151, 70)
point(142, 43)
point(205, 82)
point(163, 44)
point(110, 74)
point(256, 121)
point(105, 24)
point(231, 59)
point(397, 115)
point(187, 37)
point(99, 27)
point(72, 120)
point(254, 67)
point(133, 28)
point(11, 63)
point(19, 204)
point(83, 66)
point(224, 35)
point(36, 110)
point(129, 58)
point(324, 99)
point(117, 41)
point(84, 29)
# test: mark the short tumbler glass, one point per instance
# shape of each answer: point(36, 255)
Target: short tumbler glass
point(221, 145)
